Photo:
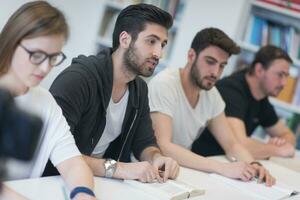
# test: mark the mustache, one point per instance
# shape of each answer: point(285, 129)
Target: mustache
point(153, 60)
point(212, 78)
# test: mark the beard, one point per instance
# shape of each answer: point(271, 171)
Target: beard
point(265, 89)
point(274, 93)
point(197, 80)
point(131, 58)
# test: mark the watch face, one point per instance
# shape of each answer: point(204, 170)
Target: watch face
point(110, 166)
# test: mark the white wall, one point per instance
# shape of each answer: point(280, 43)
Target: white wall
point(198, 14)
point(84, 18)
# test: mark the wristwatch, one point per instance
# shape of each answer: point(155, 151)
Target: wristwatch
point(110, 167)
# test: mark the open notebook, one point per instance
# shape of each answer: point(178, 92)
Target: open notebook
point(170, 190)
point(260, 191)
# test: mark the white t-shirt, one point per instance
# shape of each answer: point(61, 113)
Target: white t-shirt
point(166, 95)
point(115, 114)
point(58, 143)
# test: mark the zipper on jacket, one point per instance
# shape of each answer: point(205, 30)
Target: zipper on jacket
point(120, 154)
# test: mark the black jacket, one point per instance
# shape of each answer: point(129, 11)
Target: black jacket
point(83, 91)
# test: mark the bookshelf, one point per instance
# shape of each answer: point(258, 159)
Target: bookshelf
point(284, 105)
point(112, 9)
point(274, 22)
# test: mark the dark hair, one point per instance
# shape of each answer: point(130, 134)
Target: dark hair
point(31, 20)
point(266, 55)
point(133, 18)
point(215, 37)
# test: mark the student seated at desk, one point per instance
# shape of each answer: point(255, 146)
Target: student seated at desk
point(184, 101)
point(247, 106)
point(31, 44)
point(106, 102)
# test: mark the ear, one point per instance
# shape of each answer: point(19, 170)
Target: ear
point(191, 56)
point(258, 69)
point(124, 39)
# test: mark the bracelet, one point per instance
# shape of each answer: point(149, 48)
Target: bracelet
point(85, 190)
point(256, 162)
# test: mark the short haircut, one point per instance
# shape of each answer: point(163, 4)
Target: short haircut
point(214, 37)
point(266, 55)
point(33, 19)
point(133, 19)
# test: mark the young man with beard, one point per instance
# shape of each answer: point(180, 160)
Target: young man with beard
point(247, 106)
point(106, 103)
point(184, 101)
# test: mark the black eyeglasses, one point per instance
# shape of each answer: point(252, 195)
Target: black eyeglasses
point(37, 57)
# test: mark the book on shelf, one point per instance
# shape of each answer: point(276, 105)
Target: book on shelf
point(170, 190)
point(108, 23)
point(261, 31)
point(296, 98)
point(258, 26)
point(293, 5)
point(287, 93)
point(293, 122)
point(259, 191)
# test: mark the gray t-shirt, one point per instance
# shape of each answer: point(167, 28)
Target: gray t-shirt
point(166, 95)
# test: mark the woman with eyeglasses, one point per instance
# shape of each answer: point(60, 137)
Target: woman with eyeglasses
point(31, 43)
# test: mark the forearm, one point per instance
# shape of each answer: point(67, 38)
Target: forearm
point(240, 153)
point(9, 194)
point(97, 167)
point(258, 149)
point(76, 173)
point(149, 154)
point(186, 158)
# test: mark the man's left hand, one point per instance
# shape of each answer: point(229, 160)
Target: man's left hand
point(263, 174)
point(167, 167)
point(278, 141)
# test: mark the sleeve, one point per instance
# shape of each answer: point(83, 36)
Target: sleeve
point(71, 91)
point(268, 116)
point(161, 97)
point(235, 101)
point(218, 105)
point(144, 136)
point(62, 140)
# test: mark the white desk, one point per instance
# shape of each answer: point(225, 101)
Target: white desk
point(50, 188)
point(291, 163)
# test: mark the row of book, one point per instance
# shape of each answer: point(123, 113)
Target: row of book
point(262, 32)
point(288, 4)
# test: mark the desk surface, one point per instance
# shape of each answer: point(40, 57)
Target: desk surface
point(50, 188)
point(291, 163)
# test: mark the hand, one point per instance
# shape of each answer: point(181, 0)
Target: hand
point(238, 170)
point(168, 167)
point(142, 171)
point(278, 141)
point(83, 196)
point(263, 175)
point(285, 150)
